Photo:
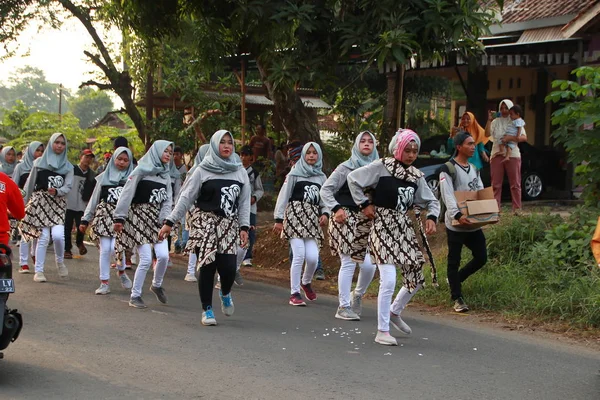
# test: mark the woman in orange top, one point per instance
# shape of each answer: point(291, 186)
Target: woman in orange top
point(469, 124)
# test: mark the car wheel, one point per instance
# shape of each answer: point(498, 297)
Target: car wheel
point(532, 186)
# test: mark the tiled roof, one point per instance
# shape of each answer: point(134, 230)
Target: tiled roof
point(528, 10)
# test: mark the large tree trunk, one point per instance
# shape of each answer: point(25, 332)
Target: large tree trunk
point(295, 118)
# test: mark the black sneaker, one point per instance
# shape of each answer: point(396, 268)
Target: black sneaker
point(460, 305)
point(137, 302)
point(320, 275)
point(160, 294)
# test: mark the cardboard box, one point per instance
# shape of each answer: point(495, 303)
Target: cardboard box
point(480, 207)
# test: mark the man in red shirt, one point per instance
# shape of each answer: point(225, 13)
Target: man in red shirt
point(260, 143)
point(11, 200)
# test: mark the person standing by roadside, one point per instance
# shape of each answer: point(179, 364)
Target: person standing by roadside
point(397, 186)
point(77, 199)
point(47, 186)
point(349, 228)
point(496, 127)
point(257, 192)
point(469, 124)
point(20, 175)
point(462, 177)
point(145, 202)
point(182, 237)
point(99, 215)
point(261, 145)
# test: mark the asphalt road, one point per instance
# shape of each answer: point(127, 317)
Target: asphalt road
point(76, 345)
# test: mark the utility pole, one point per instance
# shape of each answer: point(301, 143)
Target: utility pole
point(60, 102)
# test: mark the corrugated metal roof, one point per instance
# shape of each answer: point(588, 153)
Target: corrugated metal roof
point(309, 102)
point(528, 10)
point(314, 102)
point(550, 34)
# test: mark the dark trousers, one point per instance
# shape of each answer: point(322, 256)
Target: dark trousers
point(251, 236)
point(69, 218)
point(474, 241)
point(225, 265)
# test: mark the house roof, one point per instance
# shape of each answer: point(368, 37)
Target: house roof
point(515, 11)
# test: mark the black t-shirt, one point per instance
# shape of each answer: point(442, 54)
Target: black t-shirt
point(220, 196)
point(306, 191)
point(46, 179)
point(394, 193)
point(150, 192)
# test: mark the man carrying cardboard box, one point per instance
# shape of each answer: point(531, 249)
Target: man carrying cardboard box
point(459, 175)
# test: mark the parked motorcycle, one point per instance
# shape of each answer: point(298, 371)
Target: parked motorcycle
point(11, 321)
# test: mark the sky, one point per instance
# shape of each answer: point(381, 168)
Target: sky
point(59, 53)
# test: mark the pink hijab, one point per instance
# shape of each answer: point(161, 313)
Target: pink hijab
point(405, 136)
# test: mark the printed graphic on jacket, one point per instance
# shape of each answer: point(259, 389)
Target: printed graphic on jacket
point(158, 196)
point(220, 196)
point(151, 192)
point(474, 185)
point(229, 198)
point(395, 194)
point(46, 179)
point(406, 196)
point(55, 182)
point(307, 192)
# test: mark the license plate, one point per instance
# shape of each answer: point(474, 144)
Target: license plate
point(7, 286)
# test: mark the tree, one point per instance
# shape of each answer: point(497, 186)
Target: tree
point(88, 105)
point(29, 85)
point(13, 119)
point(578, 122)
point(297, 43)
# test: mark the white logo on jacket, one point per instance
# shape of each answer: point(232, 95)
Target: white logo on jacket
point(114, 194)
point(311, 194)
point(158, 196)
point(55, 182)
point(474, 185)
point(405, 198)
point(229, 196)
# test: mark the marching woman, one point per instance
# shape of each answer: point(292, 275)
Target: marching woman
point(299, 214)
point(220, 190)
point(190, 276)
point(20, 175)
point(49, 181)
point(145, 202)
point(349, 228)
point(8, 160)
point(99, 214)
point(393, 242)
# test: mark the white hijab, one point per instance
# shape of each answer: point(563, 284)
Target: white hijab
point(499, 124)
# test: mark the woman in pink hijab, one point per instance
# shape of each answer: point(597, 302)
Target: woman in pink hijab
point(495, 128)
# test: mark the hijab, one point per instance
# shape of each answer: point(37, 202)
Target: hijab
point(112, 175)
point(28, 157)
point(475, 130)
point(151, 163)
point(302, 169)
point(199, 157)
point(54, 162)
point(392, 145)
point(357, 159)
point(500, 123)
point(5, 167)
point(213, 161)
point(404, 137)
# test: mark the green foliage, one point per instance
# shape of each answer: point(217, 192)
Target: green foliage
point(29, 85)
point(336, 151)
point(578, 127)
point(88, 105)
point(13, 119)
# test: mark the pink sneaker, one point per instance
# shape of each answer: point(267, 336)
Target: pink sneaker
point(309, 293)
point(296, 300)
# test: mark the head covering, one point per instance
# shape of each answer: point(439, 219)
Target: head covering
point(112, 175)
point(199, 157)
point(404, 137)
point(459, 139)
point(357, 159)
point(302, 169)
point(213, 161)
point(54, 162)
point(151, 163)
point(173, 170)
point(501, 123)
point(87, 152)
point(5, 167)
point(475, 130)
point(29, 157)
point(392, 145)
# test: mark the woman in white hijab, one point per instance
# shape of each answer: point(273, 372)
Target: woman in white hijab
point(495, 128)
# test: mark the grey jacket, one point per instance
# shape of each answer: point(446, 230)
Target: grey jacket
point(129, 191)
point(62, 191)
point(332, 185)
point(285, 193)
point(257, 188)
point(464, 181)
point(193, 186)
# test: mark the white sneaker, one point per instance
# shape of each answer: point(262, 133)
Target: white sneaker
point(208, 318)
point(356, 303)
point(399, 324)
point(63, 272)
point(190, 278)
point(103, 289)
point(39, 277)
point(125, 281)
point(385, 339)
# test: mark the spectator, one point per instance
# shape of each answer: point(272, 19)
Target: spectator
point(77, 199)
point(469, 124)
point(257, 192)
point(260, 143)
point(182, 169)
point(496, 128)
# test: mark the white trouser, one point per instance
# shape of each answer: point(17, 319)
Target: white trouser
point(107, 251)
point(58, 236)
point(365, 276)
point(192, 260)
point(387, 284)
point(24, 251)
point(161, 249)
point(403, 298)
point(303, 249)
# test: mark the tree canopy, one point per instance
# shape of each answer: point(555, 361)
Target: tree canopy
point(89, 104)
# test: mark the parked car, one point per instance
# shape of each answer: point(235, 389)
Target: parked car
point(540, 168)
